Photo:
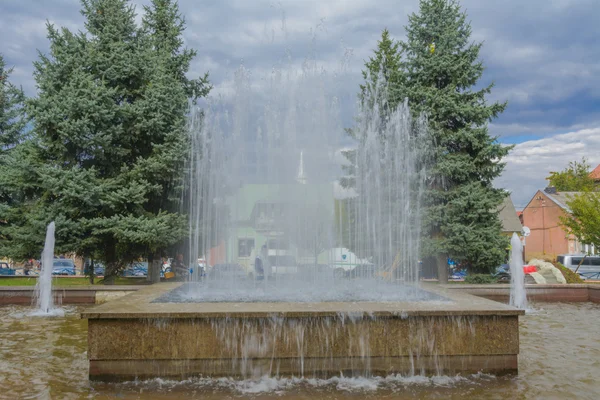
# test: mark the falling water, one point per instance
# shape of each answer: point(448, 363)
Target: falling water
point(43, 287)
point(518, 297)
point(265, 170)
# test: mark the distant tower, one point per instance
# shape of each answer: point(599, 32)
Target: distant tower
point(301, 177)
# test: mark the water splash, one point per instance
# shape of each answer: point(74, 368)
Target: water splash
point(43, 288)
point(264, 184)
point(518, 296)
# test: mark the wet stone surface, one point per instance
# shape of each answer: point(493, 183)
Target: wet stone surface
point(560, 358)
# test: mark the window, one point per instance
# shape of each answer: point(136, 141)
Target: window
point(595, 260)
point(561, 259)
point(245, 247)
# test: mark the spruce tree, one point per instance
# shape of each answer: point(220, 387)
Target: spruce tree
point(110, 129)
point(442, 68)
point(383, 82)
point(12, 112)
point(163, 21)
point(12, 128)
point(164, 26)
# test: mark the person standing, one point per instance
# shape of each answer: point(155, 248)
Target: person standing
point(179, 267)
point(259, 270)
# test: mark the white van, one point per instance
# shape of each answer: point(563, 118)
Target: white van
point(589, 269)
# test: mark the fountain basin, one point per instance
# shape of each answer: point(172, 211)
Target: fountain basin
point(135, 337)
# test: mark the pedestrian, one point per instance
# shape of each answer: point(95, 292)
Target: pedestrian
point(181, 271)
point(259, 269)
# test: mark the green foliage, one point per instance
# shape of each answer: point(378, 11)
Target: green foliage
point(12, 113)
point(478, 279)
point(570, 276)
point(438, 69)
point(12, 128)
point(384, 74)
point(383, 82)
point(165, 25)
point(462, 219)
point(110, 140)
point(584, 219)
point(574, 178)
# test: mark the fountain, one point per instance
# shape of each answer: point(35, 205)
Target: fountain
point(518, 297)
point(305, 314)
point(43, 288)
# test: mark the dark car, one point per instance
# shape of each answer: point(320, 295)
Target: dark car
point(227, 272)
point(5, 269)
point(63, 266)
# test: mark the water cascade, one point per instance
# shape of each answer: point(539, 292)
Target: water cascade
point(311, 241)
point(43, 287)
point(518, 297)
point(267, 181)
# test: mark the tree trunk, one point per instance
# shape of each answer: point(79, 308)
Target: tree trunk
point(442, 267)
point(91, 271)
point(154, 262)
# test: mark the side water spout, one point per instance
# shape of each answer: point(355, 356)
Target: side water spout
point(43, 288)
point(518, 297)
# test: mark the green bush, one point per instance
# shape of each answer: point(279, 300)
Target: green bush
point(570, 276)
point(480, 279)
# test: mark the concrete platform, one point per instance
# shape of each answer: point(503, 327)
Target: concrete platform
point(133, 338)
point(24, 295)
point(571, 293)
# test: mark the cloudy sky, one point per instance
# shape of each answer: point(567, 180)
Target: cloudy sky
point(541, 54)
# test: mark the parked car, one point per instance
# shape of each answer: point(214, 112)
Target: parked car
point(98, 268)
point(589, 268)
point(138, 268)
point(5, 269)
point(63, 266)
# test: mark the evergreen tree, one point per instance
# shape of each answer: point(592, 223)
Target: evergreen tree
point(165, 24)
point(12, 112)
point(383, 82)
point(12, 127)
point(437, 69)
point(110, 131)
point(384, 75)
point(442, 69)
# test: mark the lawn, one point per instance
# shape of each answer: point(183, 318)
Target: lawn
point(63, 281)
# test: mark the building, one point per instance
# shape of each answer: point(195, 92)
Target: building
point(548, 237)
point(595, 175)
point(511, 222)
point(277, 216)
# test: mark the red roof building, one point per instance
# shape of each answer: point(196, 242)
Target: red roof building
point(595, 174)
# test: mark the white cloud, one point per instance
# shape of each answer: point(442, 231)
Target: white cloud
point(529, 163)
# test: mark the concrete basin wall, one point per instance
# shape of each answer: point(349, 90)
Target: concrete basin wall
point(545, 293)
point(133, 338)
point(124, 349)
point(24, 295)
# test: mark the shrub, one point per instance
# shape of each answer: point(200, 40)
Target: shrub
point(569, 275)
point(480, 279)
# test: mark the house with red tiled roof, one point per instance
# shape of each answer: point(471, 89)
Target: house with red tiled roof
point(595, 174)
point(548, 238)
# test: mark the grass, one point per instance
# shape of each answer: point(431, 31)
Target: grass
point(570, 276)
point(70, 282)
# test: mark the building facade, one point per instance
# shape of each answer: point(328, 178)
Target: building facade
point(548, 237)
